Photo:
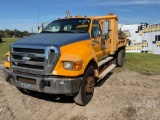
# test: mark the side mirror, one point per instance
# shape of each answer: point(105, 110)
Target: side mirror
point(99, 33)
point(105, 28)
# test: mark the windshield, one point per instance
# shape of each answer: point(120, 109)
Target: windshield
point(75, 25)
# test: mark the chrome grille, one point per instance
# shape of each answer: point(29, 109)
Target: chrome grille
point(34, 59)
point(38, 59)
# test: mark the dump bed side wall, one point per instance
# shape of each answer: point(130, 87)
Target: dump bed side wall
point(117, 41)
point(114, 35)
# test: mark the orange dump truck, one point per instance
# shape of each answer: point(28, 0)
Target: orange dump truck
point(68, 57)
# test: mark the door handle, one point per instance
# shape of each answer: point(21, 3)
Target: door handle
point(95, 41)
point(93, 44)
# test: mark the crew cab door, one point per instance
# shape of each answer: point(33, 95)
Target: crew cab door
point(96, 39)
point(101, 40)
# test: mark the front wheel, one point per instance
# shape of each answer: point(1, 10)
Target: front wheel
point(86, 90)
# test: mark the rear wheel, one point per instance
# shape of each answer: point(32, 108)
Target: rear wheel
point(86, 90)
point(120, 58)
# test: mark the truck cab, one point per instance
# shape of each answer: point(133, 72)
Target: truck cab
point(68, 57)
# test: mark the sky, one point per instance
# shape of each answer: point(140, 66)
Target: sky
point(28, 14)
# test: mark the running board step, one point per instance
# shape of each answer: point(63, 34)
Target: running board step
point(100, 63)
point(105, 72)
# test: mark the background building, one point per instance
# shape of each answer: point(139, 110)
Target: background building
point(142, 37)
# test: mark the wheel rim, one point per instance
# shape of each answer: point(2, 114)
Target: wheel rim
point(89, 88)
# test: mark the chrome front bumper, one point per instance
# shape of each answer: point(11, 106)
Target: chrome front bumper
point(45, 84)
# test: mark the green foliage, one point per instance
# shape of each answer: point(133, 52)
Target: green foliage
point(13, 33)
point(141, 62)
point(5, 46)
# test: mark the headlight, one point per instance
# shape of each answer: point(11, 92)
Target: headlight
point(7, 58)
point(76, 65)
point(68, 65)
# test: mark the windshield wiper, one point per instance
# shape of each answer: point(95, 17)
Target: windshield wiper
point(63, 31)
point(72, 31)
point(47, 32)
point(80, 31)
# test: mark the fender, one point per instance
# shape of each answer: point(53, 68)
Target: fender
point(79, 51)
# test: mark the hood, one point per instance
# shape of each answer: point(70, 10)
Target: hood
point(52, 39)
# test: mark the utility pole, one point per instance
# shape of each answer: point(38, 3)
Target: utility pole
point(32, 30)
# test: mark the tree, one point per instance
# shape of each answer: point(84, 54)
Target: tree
point(6, 33)
point(13, 33)
point(16, 33)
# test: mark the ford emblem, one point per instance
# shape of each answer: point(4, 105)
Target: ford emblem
point(26, 58)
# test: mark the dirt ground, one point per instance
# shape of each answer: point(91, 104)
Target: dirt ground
point(120, 96)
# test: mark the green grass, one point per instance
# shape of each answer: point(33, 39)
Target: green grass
point(141, 62)
point(4, 47)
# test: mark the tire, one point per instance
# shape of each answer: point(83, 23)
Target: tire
point(86, 90)
point(120, 58)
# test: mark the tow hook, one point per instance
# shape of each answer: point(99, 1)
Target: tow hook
point(42, 84)
point(8, 79)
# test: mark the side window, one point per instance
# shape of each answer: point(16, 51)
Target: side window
point(96, 29)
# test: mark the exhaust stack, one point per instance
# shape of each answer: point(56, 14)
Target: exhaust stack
point(68, 14)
